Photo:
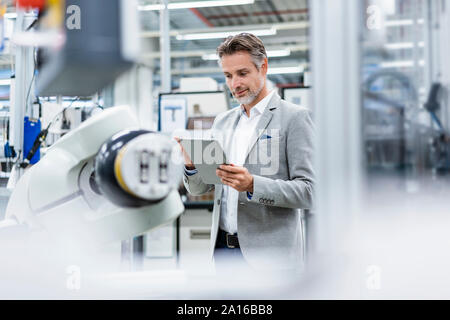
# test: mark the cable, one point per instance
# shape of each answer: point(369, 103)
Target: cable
point(18, 157)
point(61, 112)
point(29, 91)
point(33, 24)
point(42, 136)
point(32, 80)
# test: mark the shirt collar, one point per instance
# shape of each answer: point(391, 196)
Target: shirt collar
point(260, 106)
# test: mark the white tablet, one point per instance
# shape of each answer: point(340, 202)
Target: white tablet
point(207, 156)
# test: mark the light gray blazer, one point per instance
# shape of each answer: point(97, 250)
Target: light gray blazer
point(269, 225)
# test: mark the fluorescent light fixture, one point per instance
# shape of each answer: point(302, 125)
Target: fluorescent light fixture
point(195, 4)
point(401, 23)
point(211, 56)
point(203, 4)
point(285, 70)
point(10, 15)
point(278, 53)
point(270, 54)
point(402, 45)
point(398, 23)
point(397, 64)
point(401, 64)
point(151, 7)
point(221, 35)
point(5, 82)
point(13, 15)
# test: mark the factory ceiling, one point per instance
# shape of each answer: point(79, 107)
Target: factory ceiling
point(288, 17)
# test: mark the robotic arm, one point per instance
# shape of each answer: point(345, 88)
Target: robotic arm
point(103, 182)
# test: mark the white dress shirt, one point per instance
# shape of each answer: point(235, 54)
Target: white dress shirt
point(236, 153)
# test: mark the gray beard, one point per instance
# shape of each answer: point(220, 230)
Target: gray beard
point(251, 95)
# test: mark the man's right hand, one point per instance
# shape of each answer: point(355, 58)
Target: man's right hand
point(187, 160)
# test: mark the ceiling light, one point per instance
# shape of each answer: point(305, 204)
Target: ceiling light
point(13, 15)
point(221, 35)
point(402, 45)
point(5, 82)
point(203, 4)
point(401, 64)
point(285, 70)
point(195, 4)
point(278, 53)
point(401, 23)
point(270, 54)
point(210, 56)
point(10, 15)
point(398, 23)
point(151, 7)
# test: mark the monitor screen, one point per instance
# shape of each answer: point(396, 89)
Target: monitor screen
point(298, 96)
point(177, 109)
point(200, 104)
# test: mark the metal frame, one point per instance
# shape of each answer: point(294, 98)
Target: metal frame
point(23, 83)
point(441, 30)
point(337, 102)
point(164, 41)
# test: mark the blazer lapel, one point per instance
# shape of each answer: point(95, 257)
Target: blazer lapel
point(263, 122)
point(234, 119)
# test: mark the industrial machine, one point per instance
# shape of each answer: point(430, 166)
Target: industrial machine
point(101, 42)
point(102, 182)
point(108, 179)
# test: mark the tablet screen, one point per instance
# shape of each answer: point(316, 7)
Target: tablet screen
point(207, 156)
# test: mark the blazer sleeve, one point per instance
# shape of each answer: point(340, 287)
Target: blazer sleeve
point(195, 185)
point(298, 191)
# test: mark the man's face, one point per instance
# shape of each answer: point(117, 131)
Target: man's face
point(243, 79)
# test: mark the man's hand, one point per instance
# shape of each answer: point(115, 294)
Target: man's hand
point(187, 161)
point(236, 177)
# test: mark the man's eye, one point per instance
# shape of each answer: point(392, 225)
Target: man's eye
point(228, 76)
point(243, 74)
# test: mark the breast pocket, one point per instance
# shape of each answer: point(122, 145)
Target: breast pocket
point(268, 147)
point(268, 142)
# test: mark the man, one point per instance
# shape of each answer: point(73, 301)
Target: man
point(256, 212)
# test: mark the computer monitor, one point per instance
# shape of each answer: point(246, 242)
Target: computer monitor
point(175, 109)
point(300, 96)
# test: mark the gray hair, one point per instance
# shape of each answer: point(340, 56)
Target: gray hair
point(244, 42)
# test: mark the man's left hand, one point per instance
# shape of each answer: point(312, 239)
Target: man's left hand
point(236, 177)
